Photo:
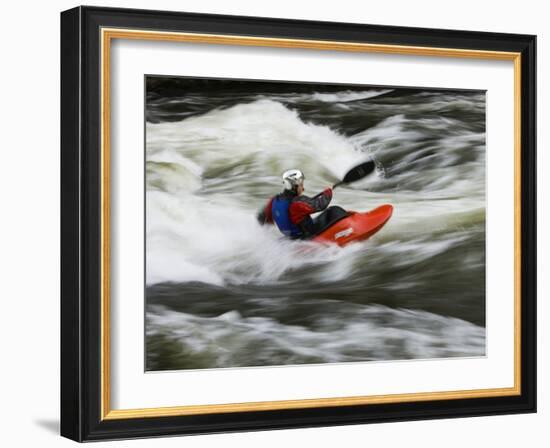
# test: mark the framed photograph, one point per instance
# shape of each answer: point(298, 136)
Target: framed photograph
point(274, 223)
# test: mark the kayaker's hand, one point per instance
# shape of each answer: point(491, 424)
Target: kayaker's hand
point(328, 192)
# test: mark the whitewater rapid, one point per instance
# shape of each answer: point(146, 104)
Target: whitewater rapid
point(208, 261)
point(209, 175)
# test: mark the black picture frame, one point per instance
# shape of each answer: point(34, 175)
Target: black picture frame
point(81, 209)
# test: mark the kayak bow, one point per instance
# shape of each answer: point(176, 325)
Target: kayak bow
point(356, 226)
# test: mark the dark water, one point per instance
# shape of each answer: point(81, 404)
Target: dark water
point(223, 291)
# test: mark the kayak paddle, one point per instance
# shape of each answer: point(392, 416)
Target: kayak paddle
point(357, 173)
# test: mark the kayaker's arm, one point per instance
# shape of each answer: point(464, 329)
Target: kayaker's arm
point(304, 206)
point(265, 216)
point(322, 200)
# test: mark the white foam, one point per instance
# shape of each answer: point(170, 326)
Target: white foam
point(343, 97)
point(208, 175)
point(373, 333)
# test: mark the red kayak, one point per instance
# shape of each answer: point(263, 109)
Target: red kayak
point(356, 226)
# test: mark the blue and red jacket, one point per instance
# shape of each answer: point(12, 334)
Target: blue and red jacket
point(291, 213)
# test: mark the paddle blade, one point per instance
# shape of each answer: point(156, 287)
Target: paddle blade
point(359, 172)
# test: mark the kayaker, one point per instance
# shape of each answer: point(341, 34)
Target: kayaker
point(291, 210)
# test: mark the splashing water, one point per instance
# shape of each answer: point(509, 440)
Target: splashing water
point(224, 291)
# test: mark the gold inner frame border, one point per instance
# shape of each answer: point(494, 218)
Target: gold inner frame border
point(107, 35)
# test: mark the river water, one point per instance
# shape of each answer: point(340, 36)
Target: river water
point(223, 291)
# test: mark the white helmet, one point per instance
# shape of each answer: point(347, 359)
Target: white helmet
point(293, 178)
